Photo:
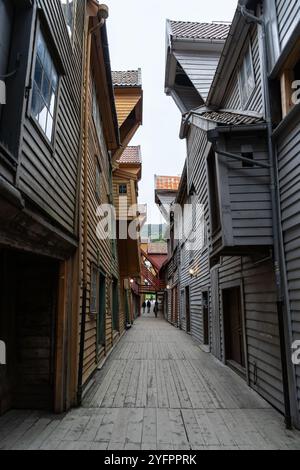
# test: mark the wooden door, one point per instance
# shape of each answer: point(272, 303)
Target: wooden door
point(187, 309)
point(233, 323)
point(102, 310)
point(205, 313)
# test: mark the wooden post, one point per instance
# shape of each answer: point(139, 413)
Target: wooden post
point(61, 323)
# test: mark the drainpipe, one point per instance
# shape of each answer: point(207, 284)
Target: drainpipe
point(103, 15)
point(278, 245)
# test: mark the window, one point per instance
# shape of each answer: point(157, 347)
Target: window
point(98, 180)
point(68, 7)
point(213, 193)
point(247, 152)
point(45, 88)
point(246, 77)
point(94, 290)
point(122, 189)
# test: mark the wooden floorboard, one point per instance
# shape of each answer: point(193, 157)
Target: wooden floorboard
point(157, 391)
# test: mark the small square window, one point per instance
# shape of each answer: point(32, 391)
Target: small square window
point(123, 189)
point(45, 89)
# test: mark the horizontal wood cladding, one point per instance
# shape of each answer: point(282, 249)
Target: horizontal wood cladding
point(126, 101)
point(288, 148)
point(197, 259)
point(232, 98)
point(100, 253)
point(244, 197)
point(261, 323)
point(288, 14)
point(48, 173)
point(200, 68)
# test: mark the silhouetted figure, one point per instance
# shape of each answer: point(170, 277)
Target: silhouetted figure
point(156, 309)
point(149, 306)
point(144, 307)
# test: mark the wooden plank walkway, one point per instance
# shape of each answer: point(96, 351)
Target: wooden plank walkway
point(157, 391)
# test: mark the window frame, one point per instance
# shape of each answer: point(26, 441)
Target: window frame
point(42, 28)
point(243, 66)
point(119, 187)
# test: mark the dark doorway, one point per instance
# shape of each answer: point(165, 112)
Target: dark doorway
point(187, 309)
point(28, 317)
point(205, 318)
point(102, 310)
point(115, 305)
point(233, 325)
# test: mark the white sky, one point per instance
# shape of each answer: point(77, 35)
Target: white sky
point(136, 30)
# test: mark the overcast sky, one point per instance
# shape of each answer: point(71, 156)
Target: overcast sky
point(136, 30)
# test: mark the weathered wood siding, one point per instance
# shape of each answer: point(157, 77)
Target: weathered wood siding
point(48, 173)
point(197, 147)
point(100, 252)
point(245, 199)
point(288, 14)
point(288, 148)
point(261, 323)
point(200, 67)
point(232, 98)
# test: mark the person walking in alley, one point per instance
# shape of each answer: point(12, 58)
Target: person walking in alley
point(149, 306)
point(144, 307)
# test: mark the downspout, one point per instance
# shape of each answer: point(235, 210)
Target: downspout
point(89, 32)
point(278, 248)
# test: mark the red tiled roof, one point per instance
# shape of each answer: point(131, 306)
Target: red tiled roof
point(192, 30)
point(131, 155)
point(167, 183)
point(127, 78)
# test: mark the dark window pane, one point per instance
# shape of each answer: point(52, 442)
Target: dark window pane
point(48, 64)
point(36, 102)
point(46, 90)
point(38, 76)
point(41, 48)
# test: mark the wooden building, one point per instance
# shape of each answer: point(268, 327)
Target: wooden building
point(101, 310)
point(166, 188)
point(41, 56)
point(126, 177)
point(238, 288)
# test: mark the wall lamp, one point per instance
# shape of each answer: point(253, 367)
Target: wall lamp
point(193, 273)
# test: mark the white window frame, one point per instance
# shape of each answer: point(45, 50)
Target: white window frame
point(246, 98)
point(40, 32)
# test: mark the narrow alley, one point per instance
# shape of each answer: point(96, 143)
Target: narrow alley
point(158, 390)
